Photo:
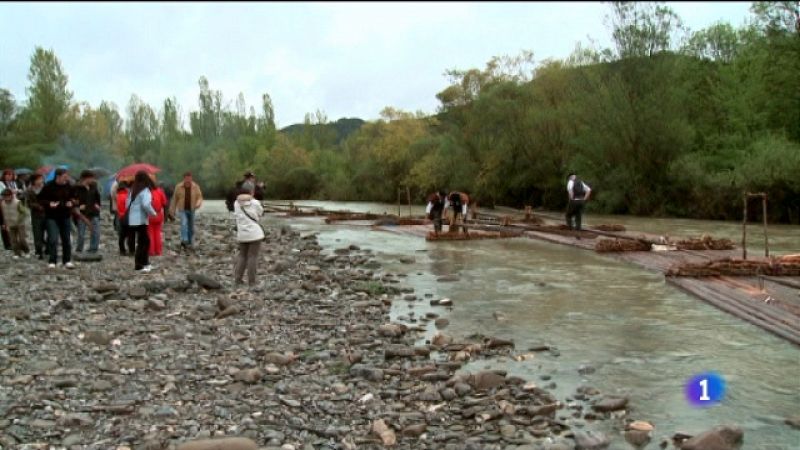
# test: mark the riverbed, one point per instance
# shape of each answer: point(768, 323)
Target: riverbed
point(643, 338)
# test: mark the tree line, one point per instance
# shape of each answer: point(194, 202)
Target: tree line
point(666, 122)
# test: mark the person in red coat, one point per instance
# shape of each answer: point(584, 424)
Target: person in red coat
point(125, 235)
point(156, 223)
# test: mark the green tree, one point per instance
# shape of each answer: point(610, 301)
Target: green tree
point(48, 96)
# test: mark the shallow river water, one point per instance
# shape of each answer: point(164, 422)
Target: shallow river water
point(644, 338)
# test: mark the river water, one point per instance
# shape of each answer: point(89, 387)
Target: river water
point(644, 338)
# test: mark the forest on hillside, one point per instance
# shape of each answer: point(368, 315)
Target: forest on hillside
point(667, 122)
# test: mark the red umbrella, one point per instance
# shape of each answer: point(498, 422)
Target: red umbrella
point(130, 171)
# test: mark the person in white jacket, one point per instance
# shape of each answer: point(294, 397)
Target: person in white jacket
point(249, 233)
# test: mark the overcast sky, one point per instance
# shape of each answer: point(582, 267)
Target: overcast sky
point(346, 59)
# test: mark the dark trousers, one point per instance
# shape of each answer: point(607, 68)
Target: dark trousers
point(126, 236)
point(575, 210)
point(436, 217)
point(59, 228)
point(142, 257)
point(6, 239)
point(37, 227)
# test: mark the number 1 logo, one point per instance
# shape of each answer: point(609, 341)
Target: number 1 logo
point(705, 389)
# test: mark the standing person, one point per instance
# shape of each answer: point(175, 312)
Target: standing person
point(458, 202)
point(37, 213)
point(578, 193)
point(258, 193)
point(124, 232)
point(249, 233)
point(435, 209)
point(7, 181)
point(112, 204)
point(89, 204)
point(186, 200)
point(139, 207)
point(250, 177)
point(14, 215)
point(57, 200)
point(156, 223)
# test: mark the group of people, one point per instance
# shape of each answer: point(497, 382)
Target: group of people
point(63, 206)
point(455, 205)
point(140, 208)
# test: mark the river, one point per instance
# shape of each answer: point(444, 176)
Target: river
point(644, 338)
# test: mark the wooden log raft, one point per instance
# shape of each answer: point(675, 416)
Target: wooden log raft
point(335, 217)
point(467, 237)
point(736, 267)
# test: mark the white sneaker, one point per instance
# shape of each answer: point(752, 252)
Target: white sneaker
point(51, 266)
point(145, 269)
point(69, 265)
point(15, 257)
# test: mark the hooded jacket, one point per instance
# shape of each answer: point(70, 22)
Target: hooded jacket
point(247, 229)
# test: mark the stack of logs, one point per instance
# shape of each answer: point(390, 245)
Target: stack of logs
point(738, 267)
point(621, 245)
point(706, 242)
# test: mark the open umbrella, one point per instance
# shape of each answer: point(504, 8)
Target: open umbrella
point(130, 171)
point(49, 172)
point(23, 171)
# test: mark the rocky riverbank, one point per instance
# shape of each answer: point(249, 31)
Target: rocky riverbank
point(102, 357)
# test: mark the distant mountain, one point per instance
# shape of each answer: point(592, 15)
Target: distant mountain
point(343, 127)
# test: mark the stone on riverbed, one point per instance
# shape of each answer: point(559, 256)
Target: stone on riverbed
point(722, 437)
point(236, 443)
point(204, 281)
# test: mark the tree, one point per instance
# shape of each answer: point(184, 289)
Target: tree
point(719, 42)
point(643, 29)
point(142, 130)
point(206, 124)
point(48, 96)
point(8, 109)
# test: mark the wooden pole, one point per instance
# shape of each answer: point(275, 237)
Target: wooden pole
point(408, 197)
point(766, 239)
point(744, 228)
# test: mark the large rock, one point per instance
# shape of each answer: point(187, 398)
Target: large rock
point(383, 431)
point(392, 329)
point(591, 440)
point(366, 372)
point(637, 438)
point(486, 380)
point(219, 444)
point(102, 287)
point(204, 281)
point(249, 376)
point(608, 404)
point(722, 437)
point(87, 257)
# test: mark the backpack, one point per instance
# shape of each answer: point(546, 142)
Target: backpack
point(578, 192)
point(455, 200)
